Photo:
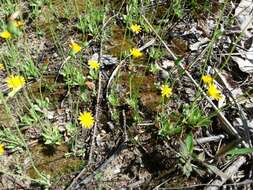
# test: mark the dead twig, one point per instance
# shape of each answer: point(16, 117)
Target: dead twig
point(96, 118)
point(124, 125)
point(87, 179)
point(99, 98)
point(209, 139)
point(61, 66)
point(230, 171)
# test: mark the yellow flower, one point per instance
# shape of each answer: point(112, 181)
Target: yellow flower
point(214, 92)
point(135, 28)
point(166, 90)
point(207, 79)
point(136, 53)
point(75, 47)
point(1, 149)
point(86, 119)
point(1, 66)
point(19, 23)
point(5, 35)
point(15, 82)
point(93, 64)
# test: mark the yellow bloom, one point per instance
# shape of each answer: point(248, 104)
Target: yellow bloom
point(1, 66)
point(207, 79)
point(75, 47)
point(15, 82)
point(5, 35)
point(136, 53)
point(93, 64)
point(166, 90)
point(19, 23)
point(135, 28)
point(86, 119)
point(214, 92)
point(1, 149)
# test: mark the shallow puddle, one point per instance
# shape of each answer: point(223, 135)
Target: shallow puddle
point(51, 160)
point(47, 87)
point(119, 42)
point(145, 87)
point(5, 119)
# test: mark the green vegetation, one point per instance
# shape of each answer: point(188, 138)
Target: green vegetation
point(150, 82)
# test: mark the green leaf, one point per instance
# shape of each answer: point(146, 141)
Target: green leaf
point(189, 143)
point(48, 142)
point(12, 28)
point(239, 151)
point(178, 61)
point(72, 53)
point(175, 130)
point(201, 156)
point(217, 171)
point(187, 168)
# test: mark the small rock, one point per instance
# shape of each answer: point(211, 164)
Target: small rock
point(195, 46)
point(245, 65)
point(164, 74)
point(168, 64)
point(105, 59)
